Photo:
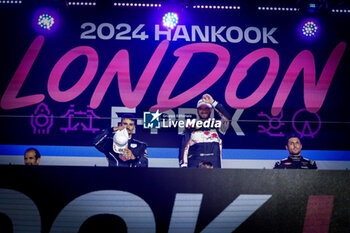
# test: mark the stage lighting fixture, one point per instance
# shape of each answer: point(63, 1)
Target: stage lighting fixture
point(313, 6)
point(226, 7)
point(132, 4)
point(263, 8)
point(10, 2)
point(310, 29)
point(340, 11)
point(77, 3)
point(46, 21)
point(170, 20)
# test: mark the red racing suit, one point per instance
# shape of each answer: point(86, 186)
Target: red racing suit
point(204, 144)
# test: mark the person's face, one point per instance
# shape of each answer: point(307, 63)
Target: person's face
point(29, 158)
point(129, 125)
point(204, 112)
point(294, 146)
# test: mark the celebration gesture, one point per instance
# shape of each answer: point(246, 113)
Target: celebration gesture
point(207, 98)
point(120, 127)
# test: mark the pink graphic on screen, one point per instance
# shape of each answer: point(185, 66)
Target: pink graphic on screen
point(307, 130)
point(275, 123)
point(61, 66)
point(318, 214)
point(41, 120)
point(79, 118)
point(240, 72)
point(184, 55)
point(314, 93)
point(120, 65)
point(10, 99)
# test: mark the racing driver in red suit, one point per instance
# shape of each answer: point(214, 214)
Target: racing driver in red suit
point(204, 144)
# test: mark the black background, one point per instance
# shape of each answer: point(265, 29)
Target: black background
point(52, 188)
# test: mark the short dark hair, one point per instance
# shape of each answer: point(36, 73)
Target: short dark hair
point(37, 153)
point(129, 116)
point(292, 135)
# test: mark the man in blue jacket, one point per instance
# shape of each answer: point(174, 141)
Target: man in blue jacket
point(120, 149)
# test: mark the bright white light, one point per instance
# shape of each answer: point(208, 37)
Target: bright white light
point(170, 20)
point(309, 29)
point(46, 21)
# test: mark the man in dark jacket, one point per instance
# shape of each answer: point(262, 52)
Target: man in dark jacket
point(295, 160)
point(120, 149)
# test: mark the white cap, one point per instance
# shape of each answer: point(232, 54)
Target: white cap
point(201, 102)
point(120, 140)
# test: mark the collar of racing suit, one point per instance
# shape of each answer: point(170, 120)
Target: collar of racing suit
point(295, 158)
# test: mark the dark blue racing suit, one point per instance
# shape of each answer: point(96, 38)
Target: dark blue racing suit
point(295, 162)
point(104, 143)
point(204, 144)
